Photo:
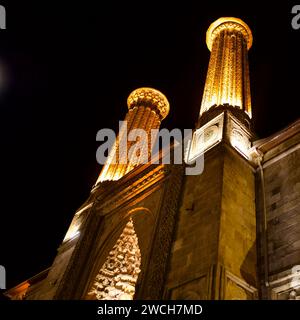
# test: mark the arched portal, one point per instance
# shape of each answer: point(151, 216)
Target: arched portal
point(117, 277)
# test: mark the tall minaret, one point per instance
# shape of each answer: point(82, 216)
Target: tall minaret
point(214, 252)
point(227, 82)
point(227, 90)
point(147, 107)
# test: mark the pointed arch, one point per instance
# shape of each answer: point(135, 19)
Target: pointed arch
point(117, 277)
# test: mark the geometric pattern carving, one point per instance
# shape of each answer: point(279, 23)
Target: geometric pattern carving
point(239, 137)
point(153, 283)
point(117, 278)
point(205, 138)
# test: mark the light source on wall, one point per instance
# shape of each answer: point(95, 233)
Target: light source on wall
point(227, 81)
point(74, 229)
point(72, 232)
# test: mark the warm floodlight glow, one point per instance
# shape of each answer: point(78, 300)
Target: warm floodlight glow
point(72, 232)
point(117, 278)
point(228, 23)
point(147, 108)
point(149, 96)
point(227, 82)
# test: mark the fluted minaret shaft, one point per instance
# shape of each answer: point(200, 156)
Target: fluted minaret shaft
point(227, 82)
point(147, 108)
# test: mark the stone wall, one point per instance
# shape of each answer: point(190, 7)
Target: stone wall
point(214, 253)
point(282, 197)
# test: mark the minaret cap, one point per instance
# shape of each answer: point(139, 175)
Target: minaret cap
point(229, 23)
point(149, 97)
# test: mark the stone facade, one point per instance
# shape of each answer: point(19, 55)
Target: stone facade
point(280, 258)
point(215, 244)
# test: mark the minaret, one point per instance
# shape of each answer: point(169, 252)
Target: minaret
point(227, 82)
point(214, 254)
point(147, 107)
point(225, 113)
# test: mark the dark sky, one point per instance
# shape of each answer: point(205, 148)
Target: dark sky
point(66, 73)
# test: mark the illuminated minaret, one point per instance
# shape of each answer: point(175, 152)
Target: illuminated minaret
point(225, 113)
point(227, 82)
point(217, 260)
point(147, 107)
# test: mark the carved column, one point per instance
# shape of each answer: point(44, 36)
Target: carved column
point(147, 108)
point(227, 82)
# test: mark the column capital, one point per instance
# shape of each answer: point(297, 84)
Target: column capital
point(228, 23)
point(149, 97)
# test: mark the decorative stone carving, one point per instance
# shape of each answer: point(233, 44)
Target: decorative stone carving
point(153, 283)
point(227, 81)
point(205, 138)
point(228, 23)
point(149, 97)
point(117, 278)
point(133, 188)
point(239, 137)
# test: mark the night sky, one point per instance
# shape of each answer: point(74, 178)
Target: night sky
point(66, 72)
